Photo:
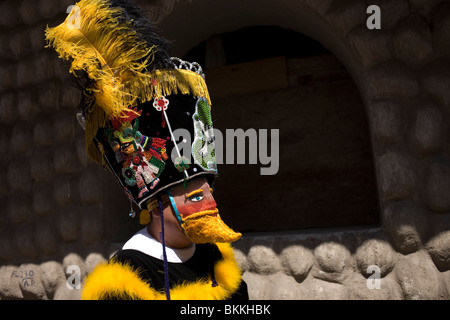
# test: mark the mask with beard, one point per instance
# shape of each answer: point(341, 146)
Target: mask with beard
point(197, 213)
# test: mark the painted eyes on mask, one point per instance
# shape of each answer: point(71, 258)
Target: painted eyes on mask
point(195, 196)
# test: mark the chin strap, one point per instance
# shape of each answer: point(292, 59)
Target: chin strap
point(166, 264)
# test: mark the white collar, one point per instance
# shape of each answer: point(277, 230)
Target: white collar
point(142, 241)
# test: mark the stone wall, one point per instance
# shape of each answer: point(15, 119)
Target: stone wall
point(53, 197)
point(57, 207)
point(401, 72)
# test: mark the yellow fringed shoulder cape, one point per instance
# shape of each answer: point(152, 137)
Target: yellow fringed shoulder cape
point(120, 281)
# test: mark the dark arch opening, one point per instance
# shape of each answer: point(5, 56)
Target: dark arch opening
point(267, 77)
point(259, 42)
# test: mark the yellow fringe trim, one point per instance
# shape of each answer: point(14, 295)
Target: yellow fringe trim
point(122, 282)
point(162, 83)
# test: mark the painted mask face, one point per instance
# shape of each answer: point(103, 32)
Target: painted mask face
point(197, 213)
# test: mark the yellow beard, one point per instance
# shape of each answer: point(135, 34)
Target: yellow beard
point(208, 227)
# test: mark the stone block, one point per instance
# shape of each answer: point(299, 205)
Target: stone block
point(375, 252)
point(418, 277)
point(392, 79)
point(297, 261)
point(438, 186)
point(241, 260)
point(47, 8)
point(407, 225)
point(8, 78)
point(423, 6)
point(49, 97)
point(90, 187)
point(26, 73)
point(10, 283)
point(71, 97)
point(263, 260)
point(41, 167)
point(19, 209)
point(446, 280)
point(43, 66)
point(19, 176)
point(427, 129)
point(65, 129)
point(359, 289)
point(8, 110)
point(52, 276)
point(43, 133)
point(64, 190)
point(373, 47)
point(31, 283)
point(316, 289)
point(46, 240)
point(81, 152)
point(343, 16)
point(27, 107)
point(386, 120)
point(7, 251)
point(411, 40)
point(319, 6)
point(20, 144)
point(333, 262)
point(65, 293)
point(19, 44)
point(91, 224)
point(92, 260)
point(69, 223)
point(25, 242)
point(439, 249)
point(392, 12)
point(441, 28)
point(28, 12)
point(283, 287)
point(65, 159)
point(8, 15)
point(37, 37)
point(259, 286)
point(73, 259)
point(41, 198)
point(396, 174)
point(435, 78)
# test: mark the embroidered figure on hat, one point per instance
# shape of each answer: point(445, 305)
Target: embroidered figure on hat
point(203, 148)
point(142, 157)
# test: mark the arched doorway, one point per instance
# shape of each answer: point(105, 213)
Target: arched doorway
point(267, 77)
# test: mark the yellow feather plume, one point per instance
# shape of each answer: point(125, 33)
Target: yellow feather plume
point(108, 50)
point(100, 40)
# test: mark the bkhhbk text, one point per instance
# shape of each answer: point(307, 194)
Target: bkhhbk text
point(227, 309)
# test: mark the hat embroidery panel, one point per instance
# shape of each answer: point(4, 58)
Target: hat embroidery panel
point(147, 150)
point(139, 158)
point(203, 147)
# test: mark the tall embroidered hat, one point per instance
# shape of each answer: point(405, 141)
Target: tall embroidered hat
point(147, 117)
